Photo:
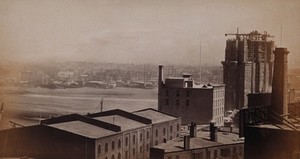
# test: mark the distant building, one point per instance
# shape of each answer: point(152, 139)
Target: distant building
point(114, 134)
point(247, 68)
point(203, 146)
point(182, 97)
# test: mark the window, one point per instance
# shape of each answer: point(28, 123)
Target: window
point(106, 147)
point(177, 93)
point(187, 102)
point(177, 156)
point(147, 147)
point(164, 131)
point(113, 145)
point(119, 143)
point(113, 157)
point(141, 149)
point(225, 152)
point(177, 127)
point(133, 139)
point(215, 153)
point(141, 137)
point(156, 133)
point(147, 134)
point(167, 93)
point(119, 156)
point(156, 142)
point(99, 149)
point(126, 155)
point(126, 141)
point(198, 155)
point(169, 157)
point(187, 93)
point(167, 102)
point(133, 151)
point(171, 129)
point(171, 137)
point(177, 102)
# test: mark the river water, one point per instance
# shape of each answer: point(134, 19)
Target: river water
point(25, 105)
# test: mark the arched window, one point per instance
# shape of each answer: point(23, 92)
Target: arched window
point(119, 143)
point(99, 149)
point(126, 154)
point(113, 145)
point(141, 137)
point(148, 135)
point(119, 156)
point(133, 139)
point(141, 149)
point(106, 147)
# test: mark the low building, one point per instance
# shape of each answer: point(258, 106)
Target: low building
point(200, 103)
point(202, 146)
point(113, 134)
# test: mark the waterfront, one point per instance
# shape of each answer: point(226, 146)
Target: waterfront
point(26, 105)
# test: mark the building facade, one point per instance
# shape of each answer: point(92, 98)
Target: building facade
point(247, 68)
point(114, 134)
point(193, 102)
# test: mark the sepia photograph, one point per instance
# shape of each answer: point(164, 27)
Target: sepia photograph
point(149, 79)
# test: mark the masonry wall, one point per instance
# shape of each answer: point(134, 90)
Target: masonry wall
point(46, 143)
point(262, 143)
point(191, 104)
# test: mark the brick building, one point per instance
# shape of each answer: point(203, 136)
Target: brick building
point(247, 68)
point(202, 146)
point(111, 134)
point(182, 97)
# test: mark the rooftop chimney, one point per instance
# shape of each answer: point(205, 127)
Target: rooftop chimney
point(193, 130)
point(160, 83)
point(186, 142)
point(279, 102)
point(213, 131)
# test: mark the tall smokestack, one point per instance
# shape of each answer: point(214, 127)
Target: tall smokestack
point(186, 142)
point(279, 103)
point(160, 83)
point(213, 131)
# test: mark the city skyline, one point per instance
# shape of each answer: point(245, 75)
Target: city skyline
point(168, 32)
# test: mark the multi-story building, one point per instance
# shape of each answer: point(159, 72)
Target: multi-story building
point(199, 103)
point(247, 68)
point(206, 145)
point(113, 134)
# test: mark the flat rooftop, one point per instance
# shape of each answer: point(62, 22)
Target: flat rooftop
point(201, 141)
point(154, 115)
point(83, 129)
point(123, 122)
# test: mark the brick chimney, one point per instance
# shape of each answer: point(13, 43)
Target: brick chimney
point(186, 142)
point(160, 83)
point(279, 100)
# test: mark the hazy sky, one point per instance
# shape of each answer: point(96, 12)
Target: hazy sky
point(140, 31)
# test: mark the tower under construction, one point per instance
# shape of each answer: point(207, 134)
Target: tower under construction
point(248, 67)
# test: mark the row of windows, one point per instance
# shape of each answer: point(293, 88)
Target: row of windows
point(219, 102)
point(187, 93)
point(214, 154)
point(99, 150)
point(187, 102)
point(113, 156)
point(218, 93)
point(218, 111)
point(164, 130)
